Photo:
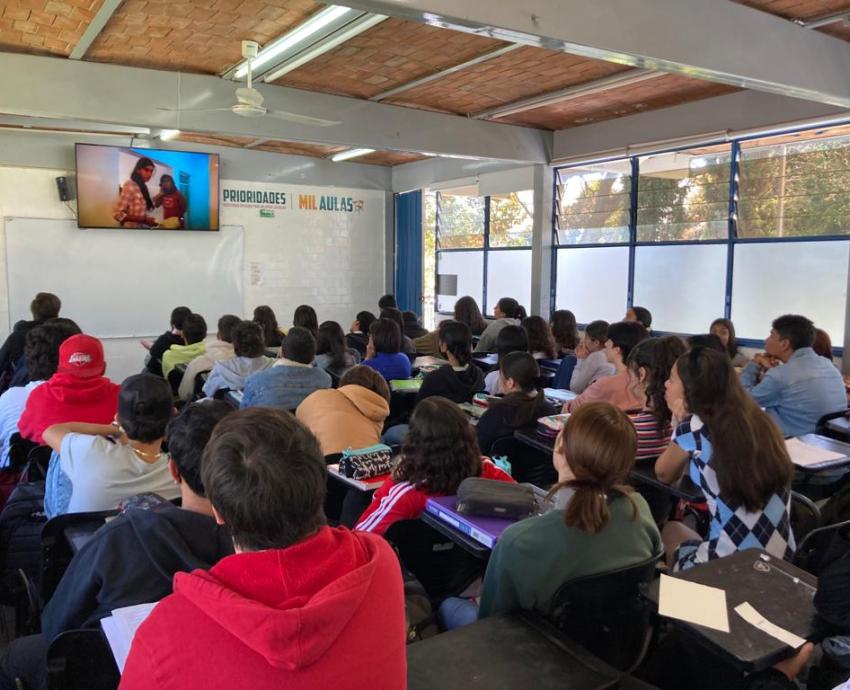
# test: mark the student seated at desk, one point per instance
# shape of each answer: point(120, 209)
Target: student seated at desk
point(460, 379)
point(249, 352)
point(172, 337)
point(42, 359)
point(218, 350)
point(541, 344)
point(300, 605)
point(640, 315)
point(507, 313)
point(649, 365)
point(591, 362)
point(407, 346)
point(466, 311)
point(725, 330)
point(802, 387)
point(616, 389)
point(383, 353)
point(598, 524)
point(351, 416)
point(565, 332)
point(94, 470)
point(194, 345)
point(305, 317)
point(331, 351)
point(133, 559)
point(522, 406)
point(438, 453)
point(291, 379)
point(735, 453)
point(264, 316)
point(358, 337)
point(822, 344)
point(44, 306)
point(510, 339)
point(78, 391)
point(412, 328)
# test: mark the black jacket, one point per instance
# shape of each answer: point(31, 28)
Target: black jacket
point(459, 386)
point(132, 560)
point(159, 348)
point(498, 422)
point(13, 348)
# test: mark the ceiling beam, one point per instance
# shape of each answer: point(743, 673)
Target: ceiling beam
point(824, 20)
point(718, 41)
point(446, 72)
point(70, 89)
point(588, 88)
point(107, 9)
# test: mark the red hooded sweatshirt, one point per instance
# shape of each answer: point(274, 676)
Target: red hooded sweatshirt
point(68, 398)
point(325, 613)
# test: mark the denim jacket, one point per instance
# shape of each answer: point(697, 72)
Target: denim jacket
point(798, 393)
point(283, 386)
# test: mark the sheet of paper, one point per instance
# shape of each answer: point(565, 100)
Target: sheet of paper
point(693, 603)
point(120, 628)
point(753, 617)
point(559, 394)
point(804, 455)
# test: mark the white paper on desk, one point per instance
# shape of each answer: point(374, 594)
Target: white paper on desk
point(804, 455)
point(753, 617)
point(693, 603)
point(559, 394)
point(120, 628)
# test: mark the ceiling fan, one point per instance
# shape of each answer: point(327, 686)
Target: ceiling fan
point(249, 101)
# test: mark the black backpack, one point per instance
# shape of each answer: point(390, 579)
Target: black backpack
point(21, 521)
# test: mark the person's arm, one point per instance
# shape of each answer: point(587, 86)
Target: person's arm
point(767, 393)
point(582, 374)
point(782, 675)
point(53, 435)
point(592, 393)
point(499, 593)
point(671, 464)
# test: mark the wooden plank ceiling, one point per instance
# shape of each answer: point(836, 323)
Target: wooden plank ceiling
point(204, 37)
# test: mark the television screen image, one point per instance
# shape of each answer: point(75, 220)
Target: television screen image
point(126, 187)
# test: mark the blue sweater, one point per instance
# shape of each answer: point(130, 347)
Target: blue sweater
point(389, 366)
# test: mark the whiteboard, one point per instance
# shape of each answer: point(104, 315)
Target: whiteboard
point(123, 283)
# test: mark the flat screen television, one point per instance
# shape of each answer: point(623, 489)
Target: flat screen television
point(153, 189)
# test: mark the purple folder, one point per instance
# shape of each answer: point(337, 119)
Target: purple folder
point(484, 530)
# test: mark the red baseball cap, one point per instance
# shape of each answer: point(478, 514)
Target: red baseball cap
point(81, 355)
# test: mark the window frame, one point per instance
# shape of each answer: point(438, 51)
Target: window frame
point(731, 240)
point(485, 249)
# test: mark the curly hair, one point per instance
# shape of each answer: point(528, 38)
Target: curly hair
point(440, 449)
point(656, 356)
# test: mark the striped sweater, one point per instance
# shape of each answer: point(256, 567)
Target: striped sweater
point(651, 441)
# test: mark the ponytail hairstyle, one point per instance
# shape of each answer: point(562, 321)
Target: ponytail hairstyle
point(564, 329)
point(749, 455)
point(656, 356)
point(539, 336)
point(599, 443)
point(527, 402)
point(457, 337)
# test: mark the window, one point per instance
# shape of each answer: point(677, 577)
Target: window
point(592, 203)
point(499, 229)
point(683, 195)
point(795, 185)
point(593, 282)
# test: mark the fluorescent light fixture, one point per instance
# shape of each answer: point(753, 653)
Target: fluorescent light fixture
point(300, 34)
point(351, 153)
point(358, 26)
point(168, 134)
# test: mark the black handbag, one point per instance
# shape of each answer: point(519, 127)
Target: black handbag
point(492, 498)
point(366, 463)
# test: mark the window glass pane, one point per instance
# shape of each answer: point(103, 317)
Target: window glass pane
point(684, 195)
point(684, 286)
point(771, 279)
point(592, 203)
point(460, 221)
point(459, 274)
point(512, 219)
point(593, 282)
point(795, 185)
point(509, 275)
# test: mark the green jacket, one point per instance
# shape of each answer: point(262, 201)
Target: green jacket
point(536, 556)
point(181, 354)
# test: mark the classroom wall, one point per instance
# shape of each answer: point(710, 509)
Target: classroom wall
point(329, 257)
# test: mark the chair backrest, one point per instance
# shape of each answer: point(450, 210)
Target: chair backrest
point(839, 430)
point(81, 660)
point(815, 547)
point(565, 372)
point(443, 568)
point(606, 614)
point(56, 548)
point(528, 465)
point(805, 515)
